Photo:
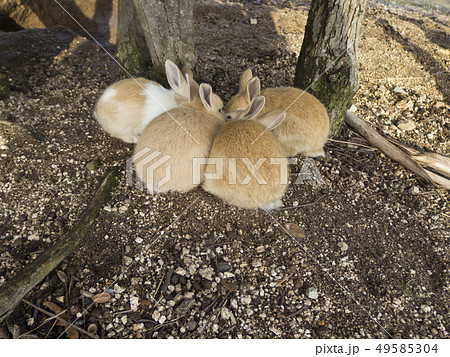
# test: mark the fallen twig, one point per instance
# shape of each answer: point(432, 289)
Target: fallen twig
point(304, 204)
point(439, 163)
point(19, 285)
point(392, 151)
point(48, 313)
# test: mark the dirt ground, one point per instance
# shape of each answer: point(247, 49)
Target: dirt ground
point(374, 260)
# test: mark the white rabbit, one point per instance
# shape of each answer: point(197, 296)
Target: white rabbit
point(254, 168)
point(169, 145)
point(306, 127)
point(127, 106)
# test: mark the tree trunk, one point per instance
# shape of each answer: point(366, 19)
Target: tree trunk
point(131, 46)
point(169, 33)
point(327, 64)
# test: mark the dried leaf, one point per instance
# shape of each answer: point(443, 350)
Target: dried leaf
point(66, 319)
point(52, 307)
point(62, 276)
point(73, 333)
point(102, 298)
point(294, 230)
point(231, 286)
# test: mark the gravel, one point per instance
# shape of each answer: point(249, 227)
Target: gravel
point(212, 270)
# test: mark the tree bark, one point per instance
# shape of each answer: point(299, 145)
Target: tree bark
point(132, 49)
point(327, 64)
point(169, 33)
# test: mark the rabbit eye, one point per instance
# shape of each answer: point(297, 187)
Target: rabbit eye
point(221, 110)
point(228, 117)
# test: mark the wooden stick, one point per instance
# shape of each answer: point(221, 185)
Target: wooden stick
point(439, 163)
point(439, 179)
point(385, 146)
point(18, 286)
point(59, 318)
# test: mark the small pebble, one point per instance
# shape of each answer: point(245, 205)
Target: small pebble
point(93, 165)
point(400, 90)
point(87, 294)
point(134, 303)
point(223, 266)
point(406, 125)
point(206, 273)
point(156, 315)
point(256, 263)
point(180, 271)
point(191, 325)
point(343, 246)
point(414, 190)
point(312, 293)
point(118, 289)
point(225, 313)
point(246, 299)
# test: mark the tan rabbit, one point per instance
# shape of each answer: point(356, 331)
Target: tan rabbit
point(306, 127)
point(166, 151)
point(127, 106)
point(246, 172)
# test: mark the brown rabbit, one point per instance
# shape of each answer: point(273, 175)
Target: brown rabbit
point(306, 127)
point(247, 166)
point(170, 143)
point(127, 106)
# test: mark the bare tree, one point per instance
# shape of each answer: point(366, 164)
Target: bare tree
point(328, 62)
point(152, 31)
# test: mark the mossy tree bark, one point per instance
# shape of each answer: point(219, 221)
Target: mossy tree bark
point(131, 45)
point(168, 27)
point(328, 62)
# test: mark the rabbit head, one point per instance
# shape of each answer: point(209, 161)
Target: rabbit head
point(249, 88)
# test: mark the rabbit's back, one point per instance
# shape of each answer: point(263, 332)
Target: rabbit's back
point(241, 144)
point(306, 126)
point(181, 135)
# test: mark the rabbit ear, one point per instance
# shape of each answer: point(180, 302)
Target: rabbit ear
point(211, 102)
point(253, 88)
point(176, 79)
point(245, 77)
point(255, 107)
point(186, 70)
point(272, 119)
point(193, 87)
